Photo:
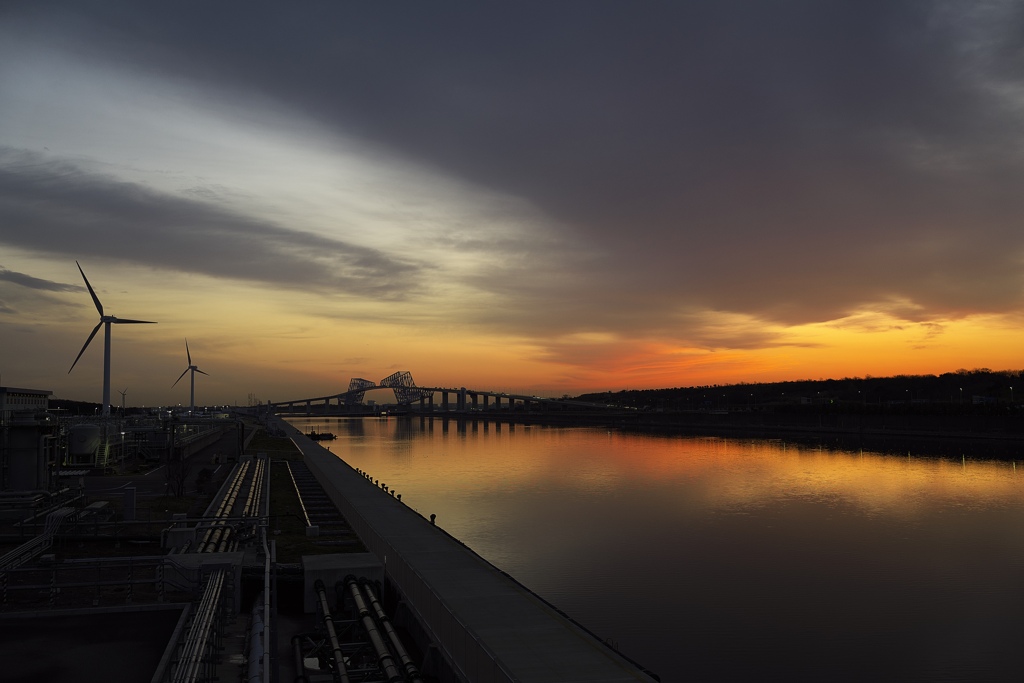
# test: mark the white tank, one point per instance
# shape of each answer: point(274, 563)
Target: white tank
point(83, 442)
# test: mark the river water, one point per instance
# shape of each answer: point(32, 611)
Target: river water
point(710, 559)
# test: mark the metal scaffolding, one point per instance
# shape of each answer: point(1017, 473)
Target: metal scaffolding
point(404, 387)
point(355, 385)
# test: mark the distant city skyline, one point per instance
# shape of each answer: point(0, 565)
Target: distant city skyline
point(539, 198)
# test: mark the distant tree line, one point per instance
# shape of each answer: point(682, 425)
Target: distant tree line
point(979, 391)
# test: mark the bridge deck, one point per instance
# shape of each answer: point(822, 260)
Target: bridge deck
point(491, 627)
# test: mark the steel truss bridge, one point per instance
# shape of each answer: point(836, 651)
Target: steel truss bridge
point(408, 394)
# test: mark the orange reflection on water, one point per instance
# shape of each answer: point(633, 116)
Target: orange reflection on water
point(724, 474)
point(729, 473)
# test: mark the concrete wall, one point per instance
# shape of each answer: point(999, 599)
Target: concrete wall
point(376, 516)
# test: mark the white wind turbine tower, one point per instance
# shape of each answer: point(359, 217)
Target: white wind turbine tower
point(106, 321)
point(194, 369)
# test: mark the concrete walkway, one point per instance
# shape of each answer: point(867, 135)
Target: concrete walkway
point(490, 627)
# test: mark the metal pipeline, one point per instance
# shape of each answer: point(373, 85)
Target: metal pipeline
point(339, 660)
point(385, 659)
point(194, 650)
point(210, 539)
point(300, 661)
point(253, 499)
point(412, 673)
point(226, 542)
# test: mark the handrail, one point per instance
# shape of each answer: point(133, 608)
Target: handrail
point(302, 503)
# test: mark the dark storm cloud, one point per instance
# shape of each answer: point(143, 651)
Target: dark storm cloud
point(25, 296)
point(59, 207)
point(790, 160)
point(36, 283)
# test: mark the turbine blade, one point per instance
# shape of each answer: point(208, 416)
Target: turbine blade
point(86, 345)
point(202, 373)
point(95, 299)
point(123, 320)
point(179, 377)
point(187, 353)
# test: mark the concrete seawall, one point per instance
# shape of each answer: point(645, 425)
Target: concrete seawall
point(490, 628)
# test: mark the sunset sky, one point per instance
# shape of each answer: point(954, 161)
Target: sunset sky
point(534, 197)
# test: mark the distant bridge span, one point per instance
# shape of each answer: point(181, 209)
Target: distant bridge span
point(408, 393)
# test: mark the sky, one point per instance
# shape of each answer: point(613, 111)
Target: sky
point(535, 197)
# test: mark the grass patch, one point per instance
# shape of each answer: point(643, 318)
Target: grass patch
point(277, 447)
point(287, 523)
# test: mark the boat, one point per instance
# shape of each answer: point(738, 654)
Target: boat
point(320, 436)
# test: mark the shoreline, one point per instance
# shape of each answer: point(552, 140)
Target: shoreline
point(993, 437)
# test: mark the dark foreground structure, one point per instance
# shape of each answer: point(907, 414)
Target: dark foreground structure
point(281, 563)
point(488, 626)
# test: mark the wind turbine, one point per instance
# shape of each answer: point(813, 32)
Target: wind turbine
point(105, 321)
point(194, 369)
point(123, 394)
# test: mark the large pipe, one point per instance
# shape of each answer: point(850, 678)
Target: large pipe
point(300, 661)
point(412, 673)
point(339, 660)
point(257, 647)
point(384, 657)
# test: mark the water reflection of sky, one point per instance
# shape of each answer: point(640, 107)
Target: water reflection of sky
point(720, 474)
point(655, 541)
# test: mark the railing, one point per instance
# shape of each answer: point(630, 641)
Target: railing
point(99, 581)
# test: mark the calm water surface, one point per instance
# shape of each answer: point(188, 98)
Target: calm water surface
point(710, 559)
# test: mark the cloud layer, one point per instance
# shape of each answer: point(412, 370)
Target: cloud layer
point(647, 172)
